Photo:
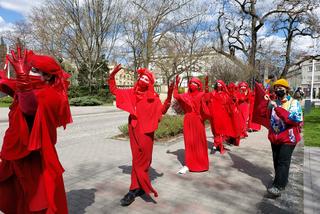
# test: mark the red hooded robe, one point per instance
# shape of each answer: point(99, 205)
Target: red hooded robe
point(145, 110)
point(195, 140)
point(221, 111)
point(243, 103)
point(30, 171)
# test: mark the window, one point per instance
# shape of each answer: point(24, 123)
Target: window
point(317, 67)
point(310, 68)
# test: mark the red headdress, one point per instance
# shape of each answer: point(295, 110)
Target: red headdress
point(150, 92)
point(48, 65)
point(148, 73)
point(197, 81)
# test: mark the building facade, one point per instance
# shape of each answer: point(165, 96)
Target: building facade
point(124, 78)
point(302, 76)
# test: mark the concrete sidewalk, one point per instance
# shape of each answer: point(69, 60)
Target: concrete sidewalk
point(311, 180)
point(98, 175)
point(75, 111)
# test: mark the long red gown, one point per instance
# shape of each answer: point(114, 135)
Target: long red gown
point(30, 171)
point(145, 111)
point(195, 140)
point(243, 103)
point(221, 111)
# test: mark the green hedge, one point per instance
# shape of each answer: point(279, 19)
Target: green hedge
point(6, 99)
point(85, 101)
point(169, 126)
point(101, 94)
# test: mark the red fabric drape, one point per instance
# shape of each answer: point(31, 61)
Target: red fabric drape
point(195, 140)
point(33, 152)
point(259, 114)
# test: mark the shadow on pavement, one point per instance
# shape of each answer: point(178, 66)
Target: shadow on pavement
point(268, 207)
point(148, 199)
point(180, 155)
point(79, 200)
point(244, 166)
point(153, 174)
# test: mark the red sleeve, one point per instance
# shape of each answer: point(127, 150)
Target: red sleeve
point(166, 105)
point(284, 116)
point(176, 94)
point(28, 102)
point(112, 85)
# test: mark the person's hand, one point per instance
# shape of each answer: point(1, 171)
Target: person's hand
point(21, 68)
point(274, 104)
point(115, 71)
point(19, 62)
point(170, 89)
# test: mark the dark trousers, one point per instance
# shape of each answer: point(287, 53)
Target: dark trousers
point(281, 161)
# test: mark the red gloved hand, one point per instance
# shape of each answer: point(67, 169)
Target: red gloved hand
point(115, 71)
point(177, 81)
point(170, 89)
point(22, 69)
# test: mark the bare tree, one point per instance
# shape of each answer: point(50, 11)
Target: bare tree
point(148, 21)
point(295, 23)
point(183, 50)
point(81, 30)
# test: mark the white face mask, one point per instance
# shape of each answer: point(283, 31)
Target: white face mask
point(34, 72)
point(144, 79)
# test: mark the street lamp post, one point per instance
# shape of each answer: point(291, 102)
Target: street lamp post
point(312, 79)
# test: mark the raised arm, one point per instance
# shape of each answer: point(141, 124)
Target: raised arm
point(176, 87)
point(111, 81)
point(167, 102)
point(27, 99)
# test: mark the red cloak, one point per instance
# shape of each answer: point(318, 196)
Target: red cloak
point(145, 110)
point(20, 150)
point(30, 171)
point(195, 140)
point(243, 105)
point(222, 113)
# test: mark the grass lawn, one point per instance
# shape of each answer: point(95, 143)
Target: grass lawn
point(4, 105)
point(311, 129)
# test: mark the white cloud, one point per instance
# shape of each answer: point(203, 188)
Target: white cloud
point(5, 26)
point(273, 42)
point(303, 44)
point(20, 6)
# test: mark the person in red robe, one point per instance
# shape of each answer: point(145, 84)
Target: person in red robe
point(221, 114)
point(252, 126)
point(237, 118)
point(30, 172)
point(146, 110)
point(243, 103)
point(195, 140)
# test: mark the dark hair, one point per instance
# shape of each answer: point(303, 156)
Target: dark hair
point(270, 76)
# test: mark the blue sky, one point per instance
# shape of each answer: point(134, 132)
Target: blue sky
point(12, 11)
point(10, 16)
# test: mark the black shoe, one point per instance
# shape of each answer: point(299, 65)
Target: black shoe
point(127, 199)
point(138, 192)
